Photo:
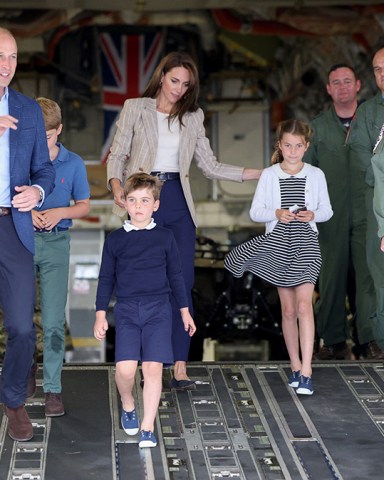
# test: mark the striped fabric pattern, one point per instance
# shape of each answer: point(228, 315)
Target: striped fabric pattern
point(286, 257)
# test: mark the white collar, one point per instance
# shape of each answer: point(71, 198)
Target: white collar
point(128, 227)
point(6, 94)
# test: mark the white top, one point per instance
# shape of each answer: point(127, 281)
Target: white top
point(167, 157)
point(267, 196)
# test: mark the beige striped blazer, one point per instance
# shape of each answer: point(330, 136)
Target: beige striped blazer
point(134, 148)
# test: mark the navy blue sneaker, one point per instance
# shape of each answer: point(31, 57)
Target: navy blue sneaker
point(129, 422)
point(147, 439)
point(293, 379)
point(305, 386)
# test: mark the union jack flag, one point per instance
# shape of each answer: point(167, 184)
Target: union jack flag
point(127, 63)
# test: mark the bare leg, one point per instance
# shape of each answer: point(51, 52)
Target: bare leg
point(304, 295)
point(152, 372)
point(180, 370)
point(125, 379)
point(290, 325)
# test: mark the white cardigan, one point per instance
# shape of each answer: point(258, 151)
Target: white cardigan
point(267, 196)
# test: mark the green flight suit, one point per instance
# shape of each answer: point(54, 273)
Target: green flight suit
point(365, 130)
point(342, 238)
point(378, 192)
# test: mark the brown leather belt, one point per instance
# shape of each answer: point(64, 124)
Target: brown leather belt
point(5, 211)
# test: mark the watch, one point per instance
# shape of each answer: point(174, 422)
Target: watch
point(41, 193)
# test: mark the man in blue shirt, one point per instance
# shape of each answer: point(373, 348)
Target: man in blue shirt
point(26, 176)
point(52, 222)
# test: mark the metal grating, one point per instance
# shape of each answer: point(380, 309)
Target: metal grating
point(242, 422)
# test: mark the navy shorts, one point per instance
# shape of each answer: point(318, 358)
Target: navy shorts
point(144, 331)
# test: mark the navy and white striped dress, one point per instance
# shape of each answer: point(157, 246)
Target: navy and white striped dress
point(289, 255)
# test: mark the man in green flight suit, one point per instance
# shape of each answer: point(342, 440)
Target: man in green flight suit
point(365, 130)
point(342, 239)
point(378, 195)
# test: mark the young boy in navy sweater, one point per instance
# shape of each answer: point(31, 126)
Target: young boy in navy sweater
point(141, 265)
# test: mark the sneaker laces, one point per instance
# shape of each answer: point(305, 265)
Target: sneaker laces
point(305, 379)
point(130, 415)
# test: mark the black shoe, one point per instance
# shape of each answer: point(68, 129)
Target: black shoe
point(337, 351)
point(182, 384)
point(372, 351)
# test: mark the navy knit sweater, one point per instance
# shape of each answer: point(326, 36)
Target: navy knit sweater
point(139, 265)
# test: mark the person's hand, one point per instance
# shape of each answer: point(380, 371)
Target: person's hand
point(7, 121)
point(101, 325)
point(305, 216)
point(118, 192)
point(27, 198)
point(50, 218)
point(37, 219)
point(189, 324)
point(382, 244)
point(251, 173)
point(284, 215)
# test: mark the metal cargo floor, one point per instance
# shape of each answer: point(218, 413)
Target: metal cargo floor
point(241, 422)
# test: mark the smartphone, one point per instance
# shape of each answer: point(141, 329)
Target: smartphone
point(300, 209)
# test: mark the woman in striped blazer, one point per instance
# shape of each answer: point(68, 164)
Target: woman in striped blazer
point(160, 133)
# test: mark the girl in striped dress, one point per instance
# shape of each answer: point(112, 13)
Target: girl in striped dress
point(290, 197)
